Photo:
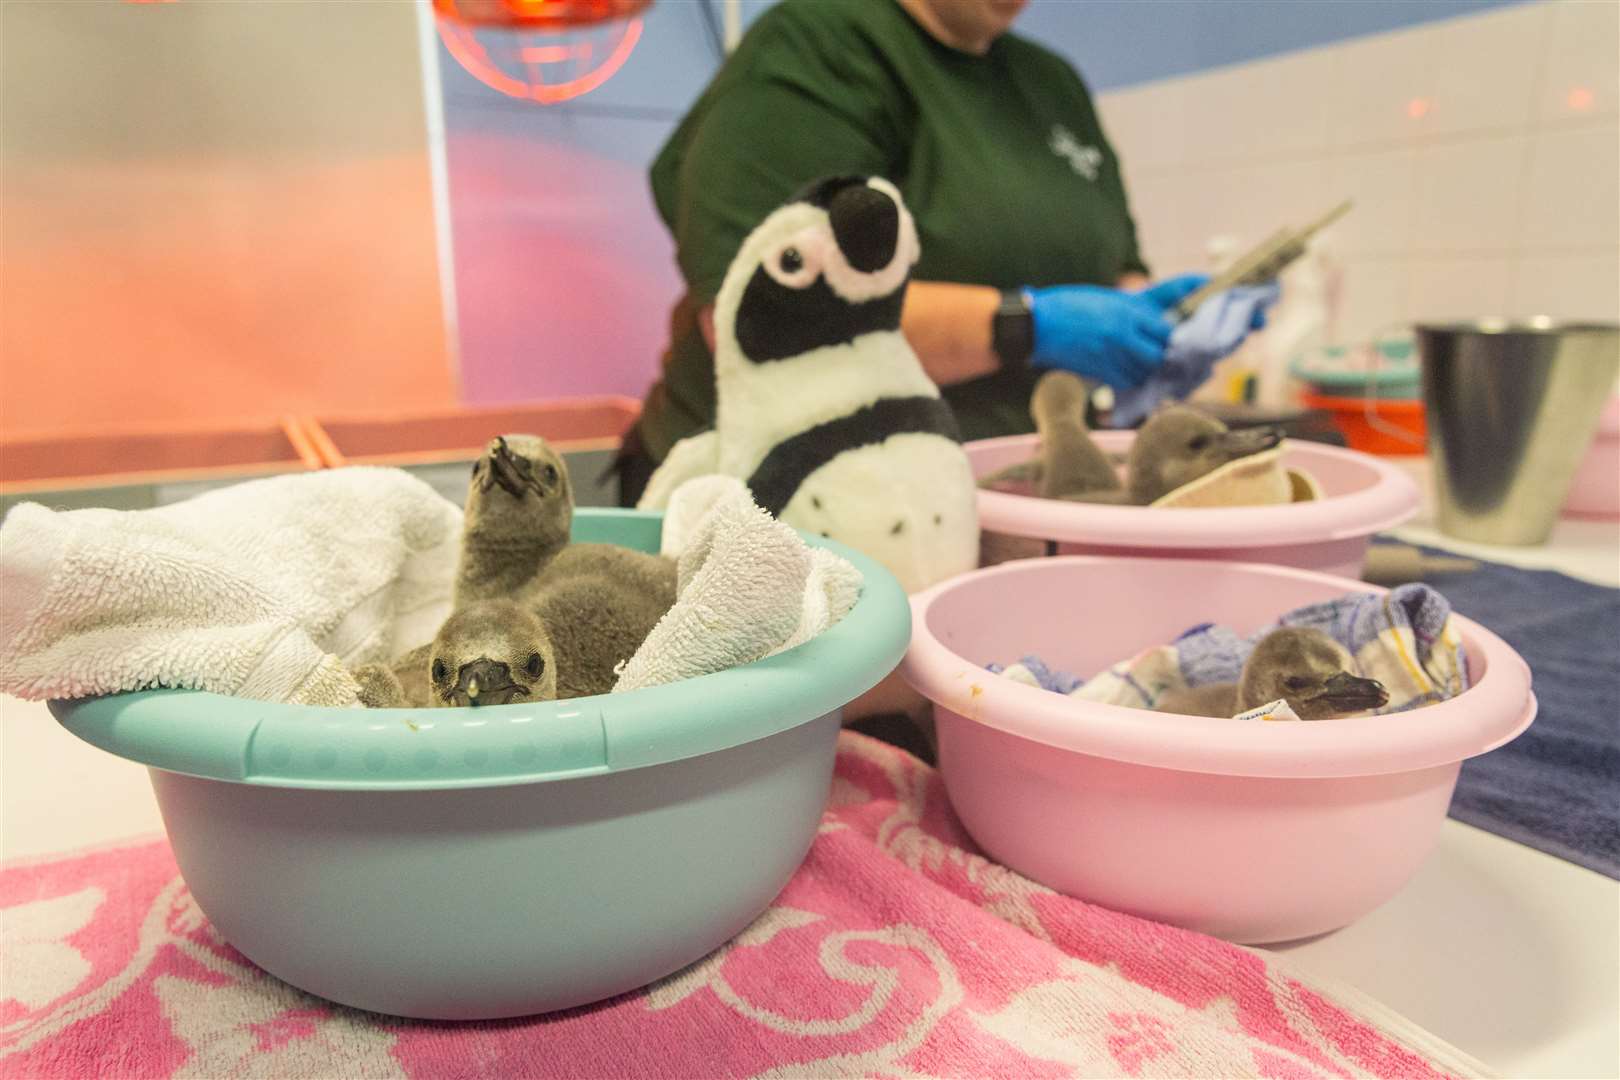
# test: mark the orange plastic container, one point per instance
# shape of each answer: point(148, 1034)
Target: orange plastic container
point(459, 433)
point(1350, 416)
point(63, 460)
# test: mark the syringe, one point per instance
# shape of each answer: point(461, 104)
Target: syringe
point(1261, 263)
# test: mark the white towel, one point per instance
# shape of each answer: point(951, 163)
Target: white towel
point(747, 587)
point(269, 590)
point(690, 505)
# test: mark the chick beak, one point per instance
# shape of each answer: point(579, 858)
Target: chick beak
point(1245, 441)
point(487, 682)
point(513, 472)
point(1351, 693)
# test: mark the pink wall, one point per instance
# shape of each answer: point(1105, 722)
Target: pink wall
point(564, 275)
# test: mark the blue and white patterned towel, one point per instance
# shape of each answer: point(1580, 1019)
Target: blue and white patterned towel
point(1405, 639)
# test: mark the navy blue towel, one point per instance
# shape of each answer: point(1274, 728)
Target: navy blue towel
point(1555, 788)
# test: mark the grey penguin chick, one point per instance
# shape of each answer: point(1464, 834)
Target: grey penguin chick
point(523, 591)
point(599, 611)
point(519, 509)
point(492, 653)
point(489, 653)
point(1297, 664)
point(1180, 444)
point(1070, 461)
point(598, 602)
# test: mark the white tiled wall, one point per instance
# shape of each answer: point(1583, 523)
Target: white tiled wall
point(1483, 155)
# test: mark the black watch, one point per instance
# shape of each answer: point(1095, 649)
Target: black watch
point(1012, 329)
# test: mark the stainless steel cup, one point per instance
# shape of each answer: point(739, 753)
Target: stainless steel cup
point(1511, 409)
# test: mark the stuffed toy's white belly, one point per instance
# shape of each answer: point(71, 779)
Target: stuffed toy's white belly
point(909, 502)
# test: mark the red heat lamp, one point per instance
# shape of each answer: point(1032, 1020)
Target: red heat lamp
point(540, 50)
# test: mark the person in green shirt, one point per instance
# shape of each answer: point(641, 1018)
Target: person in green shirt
point(1029, 254)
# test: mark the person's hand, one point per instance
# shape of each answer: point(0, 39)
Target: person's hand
point(1112, 336)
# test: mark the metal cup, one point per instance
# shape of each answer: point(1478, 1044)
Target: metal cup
point(1511, 410)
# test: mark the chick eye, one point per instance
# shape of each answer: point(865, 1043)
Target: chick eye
point(549, 474)
point(534, 665)
point(1199, 442)
point(1296, 682)
point(791, 261)
point(440, 672)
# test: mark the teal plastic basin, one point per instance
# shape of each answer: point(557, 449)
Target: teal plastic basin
point(1338, 371)
point(480, 863)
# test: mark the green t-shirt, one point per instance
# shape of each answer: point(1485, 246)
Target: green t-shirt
point(1000, 158)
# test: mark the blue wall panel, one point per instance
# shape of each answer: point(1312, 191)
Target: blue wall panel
point(1118, 43)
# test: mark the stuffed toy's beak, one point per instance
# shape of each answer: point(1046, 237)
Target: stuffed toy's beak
point(866, 224)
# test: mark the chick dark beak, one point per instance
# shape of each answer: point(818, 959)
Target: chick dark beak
point(1245, 441)
point(1352, 693)
point(486, 682)
point(514, 473)
point(866, 224)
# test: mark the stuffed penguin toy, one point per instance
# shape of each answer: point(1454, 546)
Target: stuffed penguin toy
point(823, 409)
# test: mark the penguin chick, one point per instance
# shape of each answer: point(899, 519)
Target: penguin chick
point(1180, 444)
point(1070, 462)
point(520, 507)
point(596, 601)
point(491, 653)
point(600, 605)
point(488, 653)
point(1298, 664)
point(600, 602)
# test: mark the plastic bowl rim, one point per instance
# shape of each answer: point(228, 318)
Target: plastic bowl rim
point(1392, 499)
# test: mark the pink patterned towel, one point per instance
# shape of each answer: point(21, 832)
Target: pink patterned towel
point(895, 951)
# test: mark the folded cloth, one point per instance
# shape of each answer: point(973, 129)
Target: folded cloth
point(689, 506)
point(895, 950)
point(1212, 332)
point(1553, 787)
point(747, 587)
point(269, 589)
point(1256, 480)
point(1406, 640)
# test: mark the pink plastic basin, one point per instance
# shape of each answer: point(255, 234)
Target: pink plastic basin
point(1595, 491)
point(1252, 831)
point(1362, 495)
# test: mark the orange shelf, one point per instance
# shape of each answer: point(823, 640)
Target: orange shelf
point(67, 460)
point(459, 434)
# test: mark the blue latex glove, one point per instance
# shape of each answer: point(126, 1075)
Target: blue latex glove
point(1213, 331)
point(1110, 335)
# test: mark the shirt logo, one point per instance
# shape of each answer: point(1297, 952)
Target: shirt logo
point(1084, 160)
